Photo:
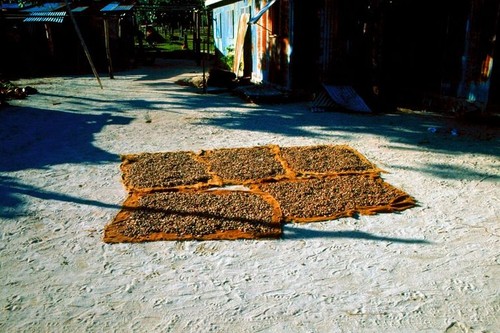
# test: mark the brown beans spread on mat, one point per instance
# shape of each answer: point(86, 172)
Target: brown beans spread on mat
point(243, 165)
point(184, 195)
point(163, 170)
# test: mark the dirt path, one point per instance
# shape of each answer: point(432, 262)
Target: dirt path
point(432, 268)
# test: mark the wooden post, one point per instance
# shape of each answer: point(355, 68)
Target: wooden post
point(197, 37)
point(108, 51)
point(209, 32)
point(50, 40)
point(82, 41)
point(207, 52)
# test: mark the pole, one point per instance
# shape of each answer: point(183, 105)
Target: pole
point(108, 51)
point(207, 53)
point(85, 49)
point(209, 32)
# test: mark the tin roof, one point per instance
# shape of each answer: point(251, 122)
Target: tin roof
point(51, 16)
point(46, 17)
point(79, 9)
point(116, 7)
point(10, 6)
point(46, 7)
point(218, 3)
point(335, 97)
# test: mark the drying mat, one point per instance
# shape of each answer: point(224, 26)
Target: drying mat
point(228, 166)
point(195, 215)
point(325, 160)
point(156, 171)
point(170, 196)
point(319, 199)
point(245, 165)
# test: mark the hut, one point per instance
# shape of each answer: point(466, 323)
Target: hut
point(407, 53)
point(249, 36)
point(41, 39)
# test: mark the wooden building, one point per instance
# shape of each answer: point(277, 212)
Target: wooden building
point(42, 39)
point(415, 53)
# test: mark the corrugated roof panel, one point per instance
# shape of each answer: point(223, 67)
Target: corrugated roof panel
point(335, 97)
point(60, 13)
point(13, 6)
point(46, 17)
point(124, 7)
point(79, 9)
point(116, 7)
point(47, 7)
point(110, 6)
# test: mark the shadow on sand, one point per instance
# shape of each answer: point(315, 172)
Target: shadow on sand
point(404, 132)
point(12, 191)
point(35, 138)
point(38, 138)
point(302, 233)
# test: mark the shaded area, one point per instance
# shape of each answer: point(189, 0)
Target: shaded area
point(405, 131)
point(147, 97)
point(423, 132)
point(205, 215)
point(449, 171)
point(36, 138)
point(12, 202)
point(300, 233)
point(32, 138)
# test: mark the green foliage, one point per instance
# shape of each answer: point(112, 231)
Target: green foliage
point(180, 15)
point(228, 58)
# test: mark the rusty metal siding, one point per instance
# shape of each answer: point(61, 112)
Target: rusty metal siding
point(226, 20)
point(478, 56)
point(267, 46)
point(376, 46)
point(328, 18)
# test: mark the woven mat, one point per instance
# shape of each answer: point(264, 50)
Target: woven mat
point(238, 193)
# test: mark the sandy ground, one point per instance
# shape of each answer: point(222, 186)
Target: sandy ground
point(432, 268)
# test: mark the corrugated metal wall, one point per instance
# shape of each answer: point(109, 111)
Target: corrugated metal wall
point(396, 51)
point(256, 44)
point(412, 50)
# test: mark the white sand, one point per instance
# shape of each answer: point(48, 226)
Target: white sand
point(432, 268)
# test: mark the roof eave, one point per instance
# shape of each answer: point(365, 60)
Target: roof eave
point(218, 3)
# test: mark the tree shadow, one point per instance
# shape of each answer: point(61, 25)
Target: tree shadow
point(165, 69)
point(405, 131)
point(301, 233)
point(36, 138)
point(449, 171)
point(12, 192)
point(177, 98)
point(32, 138)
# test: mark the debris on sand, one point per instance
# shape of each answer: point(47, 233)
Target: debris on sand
point(9, 90)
